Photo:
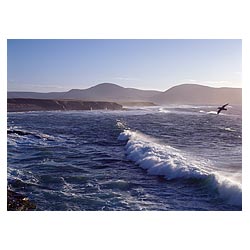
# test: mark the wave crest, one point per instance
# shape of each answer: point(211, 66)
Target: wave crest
point(164, 160)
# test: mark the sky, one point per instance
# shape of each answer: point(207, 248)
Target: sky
point(60, 65)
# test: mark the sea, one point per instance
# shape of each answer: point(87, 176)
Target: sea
point(160, 158)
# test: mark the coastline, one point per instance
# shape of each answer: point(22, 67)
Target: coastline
point(27, 104)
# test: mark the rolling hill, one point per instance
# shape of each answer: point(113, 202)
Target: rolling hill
point(109, 92)
point(198, 94)
point(100, 92)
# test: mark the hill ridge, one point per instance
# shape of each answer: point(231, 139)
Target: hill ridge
point(180, 94)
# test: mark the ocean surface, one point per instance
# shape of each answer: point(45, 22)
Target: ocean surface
point(148, 158)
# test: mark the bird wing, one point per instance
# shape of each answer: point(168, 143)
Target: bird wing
point(225, 105)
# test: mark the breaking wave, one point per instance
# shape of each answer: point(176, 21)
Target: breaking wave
point(164, 160)
point(162, 110)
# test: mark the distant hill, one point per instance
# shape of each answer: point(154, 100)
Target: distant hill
point(198, 94)
point(109, 92)
point(100, 92)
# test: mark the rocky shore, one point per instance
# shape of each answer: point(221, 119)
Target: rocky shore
point(26, 104)
point(18, 202)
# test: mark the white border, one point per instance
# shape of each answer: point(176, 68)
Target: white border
point(125, 19)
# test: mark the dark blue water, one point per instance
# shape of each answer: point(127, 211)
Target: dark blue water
point(185, 158)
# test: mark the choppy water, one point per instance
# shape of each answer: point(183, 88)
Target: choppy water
point(160, 158)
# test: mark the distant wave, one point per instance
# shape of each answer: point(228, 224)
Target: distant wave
point(209, 112)
point(162, 110)
point(121, 124)
point(19, 135)
point(164, 160)
point(230, 129)
point(212, 112)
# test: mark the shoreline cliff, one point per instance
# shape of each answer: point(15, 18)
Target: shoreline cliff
point(28, 104)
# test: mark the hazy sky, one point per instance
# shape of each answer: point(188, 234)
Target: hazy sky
point(60, 65)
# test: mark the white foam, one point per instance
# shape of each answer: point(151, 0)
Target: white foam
point(172, 163)
point(230, 129)
point(162, 110)
point(121, 124)
point(212, 112)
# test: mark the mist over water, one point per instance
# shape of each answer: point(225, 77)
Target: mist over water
point(152, 158)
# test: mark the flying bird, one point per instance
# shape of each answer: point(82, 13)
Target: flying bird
point(222, 108)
